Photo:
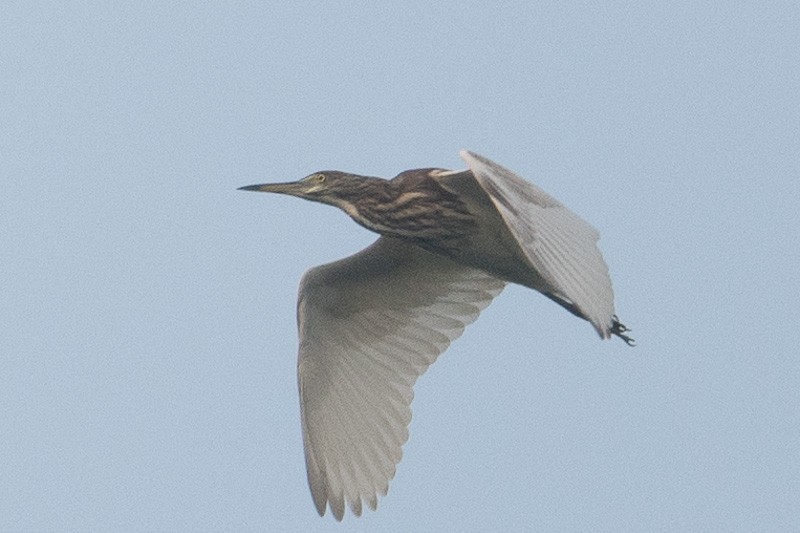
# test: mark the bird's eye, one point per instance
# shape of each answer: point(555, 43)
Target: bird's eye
point(317, 178)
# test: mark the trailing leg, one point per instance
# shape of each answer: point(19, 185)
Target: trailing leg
point(617, 328)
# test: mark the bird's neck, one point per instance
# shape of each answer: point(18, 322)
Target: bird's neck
point(418, 209)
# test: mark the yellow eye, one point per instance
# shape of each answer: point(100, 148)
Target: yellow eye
point(316, 178)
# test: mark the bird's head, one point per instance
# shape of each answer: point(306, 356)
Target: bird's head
point(348, 192)
point(327, 186)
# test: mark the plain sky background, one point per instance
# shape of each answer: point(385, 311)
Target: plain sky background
point(147, 327)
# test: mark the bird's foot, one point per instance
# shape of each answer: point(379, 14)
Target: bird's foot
point(619, 329)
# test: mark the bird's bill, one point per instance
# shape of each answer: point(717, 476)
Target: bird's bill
point(293, 188)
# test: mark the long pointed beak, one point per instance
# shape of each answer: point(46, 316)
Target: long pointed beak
point(293, 187)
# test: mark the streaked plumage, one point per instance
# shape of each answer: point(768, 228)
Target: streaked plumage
point(371, 324)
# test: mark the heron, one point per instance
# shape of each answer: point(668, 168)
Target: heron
point(370, 324)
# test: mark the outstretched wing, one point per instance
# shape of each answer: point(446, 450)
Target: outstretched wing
point(559, 244)
point(370, 325)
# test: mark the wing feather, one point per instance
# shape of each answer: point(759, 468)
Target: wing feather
point(369, 326)
point(560, 245)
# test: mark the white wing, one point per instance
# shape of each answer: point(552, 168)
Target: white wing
point(558, 243)
point(370, 325)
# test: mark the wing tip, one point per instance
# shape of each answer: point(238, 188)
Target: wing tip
point(466, 155)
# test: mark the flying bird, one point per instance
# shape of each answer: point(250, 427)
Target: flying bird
point(371, 324)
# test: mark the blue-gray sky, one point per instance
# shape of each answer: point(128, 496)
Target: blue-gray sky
point(147, 328)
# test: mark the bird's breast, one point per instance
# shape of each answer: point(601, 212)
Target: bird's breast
point(421, 215)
